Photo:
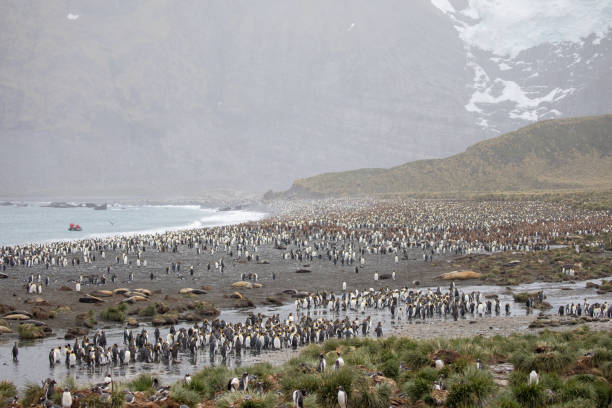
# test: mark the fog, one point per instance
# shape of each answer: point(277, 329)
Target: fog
point(167, 99)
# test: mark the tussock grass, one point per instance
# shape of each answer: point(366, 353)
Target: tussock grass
point(469, 388)
point(144, 382)
point(376, 397)
point(207, 382)
point(7, 390)
point(31, 394)
point(248, 400)
point(148, 311)
point(28, 331)
point(114, 313)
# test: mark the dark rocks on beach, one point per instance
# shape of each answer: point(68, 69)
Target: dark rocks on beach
point(65, 288)
point(40, 313)
point(74, 332)
point(385, 276)
point(6, 308)
point(189, 317)
point(161, 308)
point(275, 300)
point(204, 309)
point(244, 303)
point(303, 271)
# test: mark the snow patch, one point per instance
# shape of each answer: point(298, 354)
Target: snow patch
point(443, 5)
point(526, 106)
point(71, 16)
point(507, 27)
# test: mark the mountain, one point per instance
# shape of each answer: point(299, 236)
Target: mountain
point(556, 154)
point(167, 99)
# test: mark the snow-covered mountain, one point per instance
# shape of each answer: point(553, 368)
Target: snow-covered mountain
point(161, 98)
point(534, 60)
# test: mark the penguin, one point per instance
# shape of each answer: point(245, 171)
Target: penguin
point(72, 359)
point(52, 358)
point(339, 361)
point(244, 382)
point(342, 398)
point(298, 398)
point(66, 399)
point(187, 379)
point(15, 351)
point(50, 389)
point(534, 378)
point(379, 330)
point(129, 397)
point(439, 364)
point(233, 385)
point(322, 363)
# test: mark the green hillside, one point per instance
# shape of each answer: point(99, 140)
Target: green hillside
point(564, 154)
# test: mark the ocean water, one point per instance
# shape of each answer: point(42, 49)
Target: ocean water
point(37, 223)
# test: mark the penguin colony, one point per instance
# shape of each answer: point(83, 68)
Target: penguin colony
point(333, 230)
point(337, 232)
point(258, 333)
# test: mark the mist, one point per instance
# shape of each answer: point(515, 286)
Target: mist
point(167, 99)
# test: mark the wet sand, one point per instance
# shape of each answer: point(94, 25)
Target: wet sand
point(165, 287)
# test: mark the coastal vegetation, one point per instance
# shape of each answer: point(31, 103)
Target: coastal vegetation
point(574, 370)
point(115, 313)
point(514, 267)
point(29, 331)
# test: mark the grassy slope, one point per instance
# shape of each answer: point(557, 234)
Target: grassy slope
point(571, 154)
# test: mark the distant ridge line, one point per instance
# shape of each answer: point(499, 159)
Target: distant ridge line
point(560, 154)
